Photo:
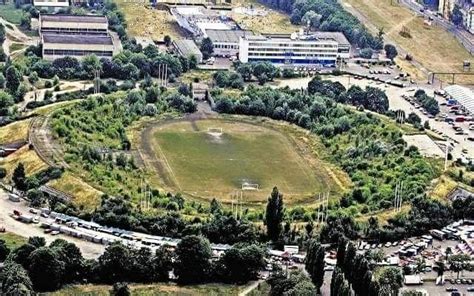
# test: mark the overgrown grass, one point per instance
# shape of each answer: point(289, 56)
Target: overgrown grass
point(15, 131)
point(11, 14)
point(85, 196)
point(12, 240)
point(445, 53)
point(214, 166)
point(16, 46)
point(152, 290)
point(29, 158)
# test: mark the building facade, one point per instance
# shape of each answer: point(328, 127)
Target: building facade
point(75, 36)
point(52, 5)
point(323, 49)
point(226, 42)
point(72, 24)
point(60, 45)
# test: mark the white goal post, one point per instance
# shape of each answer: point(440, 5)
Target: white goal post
point(248, 186)
point(214, 130)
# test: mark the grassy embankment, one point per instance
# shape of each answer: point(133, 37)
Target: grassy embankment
point(431, 46)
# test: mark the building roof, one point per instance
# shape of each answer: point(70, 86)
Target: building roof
point(229, 36)
point(187, 47)
point(76, 39)
point(463, 95)
point(329, 36)
point(74, 18)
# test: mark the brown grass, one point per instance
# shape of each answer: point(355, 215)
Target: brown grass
point(144, 21)
point(13, 132)
point(273, 22)
point(85, 196)
point(29, 158)
point(433, 47)
point(384, 215)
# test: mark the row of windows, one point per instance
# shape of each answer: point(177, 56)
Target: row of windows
point(301, 62)
point(225, 46)
point(64, 52)
point(73, 30)
point(289, 44)
point(280, 50)
point(257, 54)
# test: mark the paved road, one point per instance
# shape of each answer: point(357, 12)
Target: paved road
point(89, 250)
point(464, 37)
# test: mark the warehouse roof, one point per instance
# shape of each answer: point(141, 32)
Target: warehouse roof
point(76, 39)
point(74, 18)
point(463, 95)
point(187, 47)
point(230, 36)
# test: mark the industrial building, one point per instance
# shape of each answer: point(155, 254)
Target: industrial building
point(187, 48)
point(197, 20)
point(226, 42)
point(60, 45)
point(76, 36)
point(73, 24)
point(53, 5)
point(321, 48)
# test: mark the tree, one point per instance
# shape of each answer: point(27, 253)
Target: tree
point(366, 53)
point(167, 40)
point(242, 264)
point(192, 264)
point(45, 270)
point(37, 241)
point(456, 15)
point(392, 278)
point(3, 173)
point(19, 177)
point(341, 251)
point(4, 250)
point(207, 48)
point(114, 264)
point(120, 289)
point(315, 263)
point(274, 214)
point(14, 279)
point(13, 77)
point(390, 51)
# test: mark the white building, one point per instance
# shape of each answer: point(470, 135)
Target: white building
point(188, 48)
point(51, 4)
point(226, 42)
point(468, 17)
point(320, 48)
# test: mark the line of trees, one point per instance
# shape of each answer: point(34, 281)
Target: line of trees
point(328, 15)
point(429, 103)
point(36, 266)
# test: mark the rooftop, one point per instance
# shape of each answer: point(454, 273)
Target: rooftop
point(227, 35)
point(186, 47)
point(74, 18)
point(76, 39)
point(331, 36)
point(463, 95)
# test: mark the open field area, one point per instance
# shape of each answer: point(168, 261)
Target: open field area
point(144, 21)
point(202, 164)
point(85, 196)
point(16, 131)
point(433, 47)
point(273, 22)
point(29, 158)
point(12, 240)
point(152, 290)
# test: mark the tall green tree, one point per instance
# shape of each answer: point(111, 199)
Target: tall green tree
point(390, 51)
point(341, 251)
point(192, 264)
point(13, 77)
point(4, 250)
point(15, 279)
point(456, 16)
point(315, 263)
point(207, 48)
point(274, 214)
point(19, 177)
point(46, 270)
